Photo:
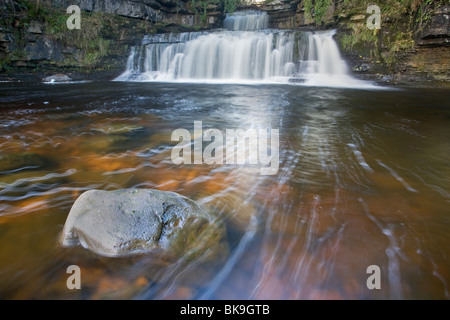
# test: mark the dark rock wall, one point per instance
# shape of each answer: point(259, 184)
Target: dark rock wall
point(436, 32)
point(165, 11)
point(408, 47)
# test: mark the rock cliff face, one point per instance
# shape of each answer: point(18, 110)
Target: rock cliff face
point(412, 44)
point(35, 42)
point(431, 25)
point(164, 11)
point(410, 47)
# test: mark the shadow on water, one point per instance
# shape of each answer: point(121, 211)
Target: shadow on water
point(363, 179)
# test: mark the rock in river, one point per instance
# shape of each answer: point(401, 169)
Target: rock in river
point(57, 78)
point(135, 221)
point(17, 161)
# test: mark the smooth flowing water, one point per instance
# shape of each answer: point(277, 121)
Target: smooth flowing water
point(244, 52)
point(246, 21)
point(364, 179)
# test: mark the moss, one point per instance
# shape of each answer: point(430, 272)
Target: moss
point(18, 54)
point(4, 65)
point(201, 7)
point(361, 39)
point(399, 20)
point(230, 5)
point(87, 39)
point(317, 10)
point(91, 48)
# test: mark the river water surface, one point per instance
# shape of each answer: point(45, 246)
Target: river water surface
point(364, 179)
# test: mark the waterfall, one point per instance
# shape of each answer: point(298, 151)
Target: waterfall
point(323, 55)
point(245, 51)
point(246, 21)
point(222, 55)
point(324, 65)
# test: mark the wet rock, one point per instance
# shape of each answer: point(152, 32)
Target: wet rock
point(16, 161)
point(234, 208)
point(5, 37)
point(436, 31)
point(364, 67)
point(387, 79)
point(43, 49)
point(136, 221)
point(284, 14)
point(35, 27)
point(152, 10)
point(358, 17)
point(57, 78)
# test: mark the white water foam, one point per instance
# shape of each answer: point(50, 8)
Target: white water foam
point(242, 57)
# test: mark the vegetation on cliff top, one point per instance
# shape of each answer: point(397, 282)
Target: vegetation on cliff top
point(317, 9)
point(96, 47)
point(400, 21)
point(85, 48)
point(93, 42)
point(201, 7)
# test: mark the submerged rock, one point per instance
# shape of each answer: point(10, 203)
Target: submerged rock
point(105, 143)
point(17, 161)
point(236, 209)
point(135, 221)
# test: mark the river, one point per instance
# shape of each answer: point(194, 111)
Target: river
point(363, 179)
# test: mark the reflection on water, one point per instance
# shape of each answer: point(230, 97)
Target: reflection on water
point(364, 180)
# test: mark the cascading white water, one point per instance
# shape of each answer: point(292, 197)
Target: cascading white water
point(232, 56)
point(240, 55)
point(324, 65)
point(323, 55)
point(246, 21)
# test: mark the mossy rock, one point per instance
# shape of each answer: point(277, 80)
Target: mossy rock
point(143, 221)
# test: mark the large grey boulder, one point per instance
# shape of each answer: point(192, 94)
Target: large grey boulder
point(135, 221)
